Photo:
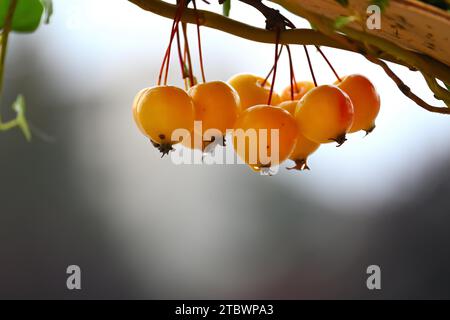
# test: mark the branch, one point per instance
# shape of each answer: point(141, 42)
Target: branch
point(239, 29)
point(407, 90)
point(349, 39)
point(274, 19)
point(391, 52)
point(439, 92)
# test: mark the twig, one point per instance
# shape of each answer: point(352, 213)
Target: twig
point(439, 92)
point(407, 90)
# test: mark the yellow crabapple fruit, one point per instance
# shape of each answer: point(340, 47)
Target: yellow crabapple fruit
point(252, 91)
point(365, 99)
point(264, 136)
point(300, 90)
point(303, 147)
point(159, 111)
point(217, 106)
point(325, 114)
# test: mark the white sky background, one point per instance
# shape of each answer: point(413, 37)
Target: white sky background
point(117, 48)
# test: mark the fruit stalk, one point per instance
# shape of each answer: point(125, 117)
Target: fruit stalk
point(166, 58)
point(311, 69)
point(293, 82)
point(188, 53)
point(273, 66)
point(183, 67)
point(328, 62)
point(199, 40)
point(181, 6)
point(274, 77)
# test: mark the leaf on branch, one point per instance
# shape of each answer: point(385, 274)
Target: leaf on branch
point(27, 16)
point(226, 8)
point(48, 7)
point(20, 108)
point(382, 4)
point(342, 21)
point(343, 3)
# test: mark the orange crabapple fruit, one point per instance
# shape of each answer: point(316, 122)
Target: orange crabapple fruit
point(253, 136)
point(217, 106)
point(301, 88)
point(303, 147)
point(252, 91)
point(365, 99)
point(134, 108)
point(325, 114)
point(159, 111)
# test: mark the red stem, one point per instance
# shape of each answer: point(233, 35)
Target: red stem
point(199, 42)
point(310, 66)
point(165, 55)
point(166, 59)
point(291, 67)
point(188, 53)
point(277, 41)
point(271, 70)
point(328, 62)
point(180, 54)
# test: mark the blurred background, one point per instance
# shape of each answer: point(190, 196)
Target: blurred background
point(90, 190)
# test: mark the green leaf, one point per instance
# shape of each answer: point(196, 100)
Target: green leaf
point(383, 4)
point(226, 8)
point(342, 21)
point(448, 86)
point(343, 3)
point(48, 7)
point(20, 108)
point(27, 16)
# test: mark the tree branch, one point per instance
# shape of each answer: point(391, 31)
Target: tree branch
point(239, 29)
point(407, 90)
point(302, 37)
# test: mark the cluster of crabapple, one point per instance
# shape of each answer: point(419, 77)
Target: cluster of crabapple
point(307, 115)
point(314, 116)
point(304, 115)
